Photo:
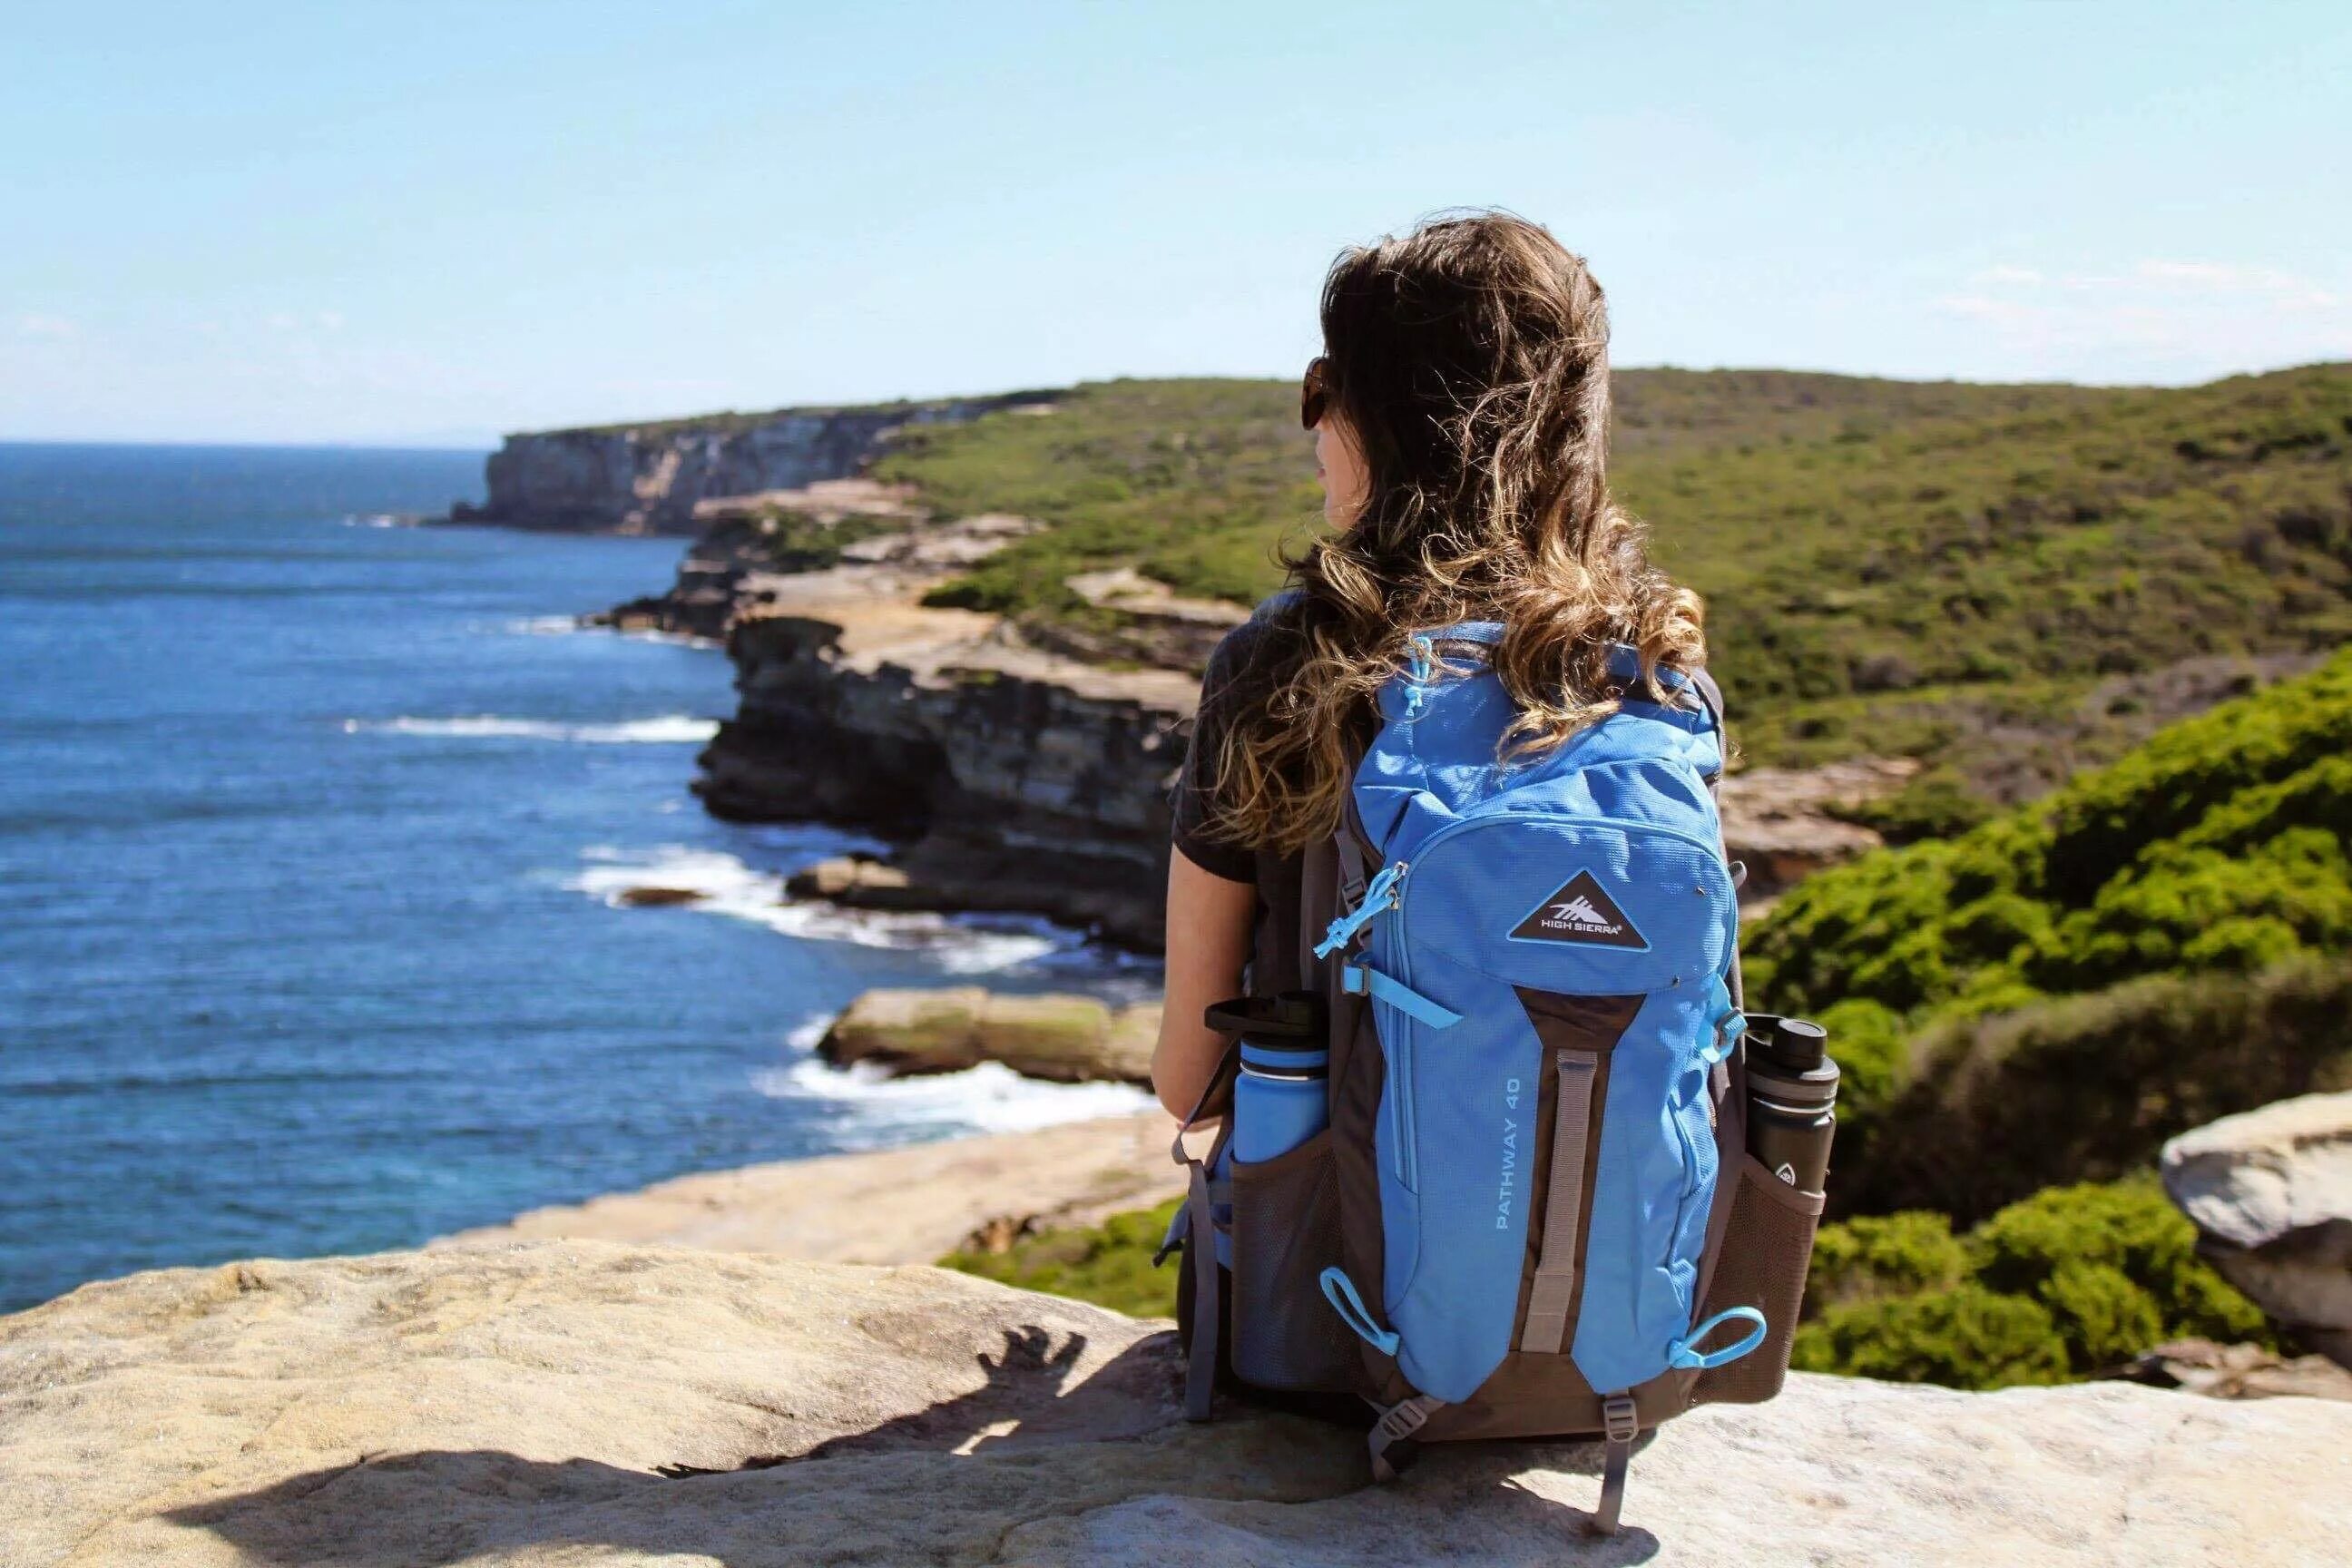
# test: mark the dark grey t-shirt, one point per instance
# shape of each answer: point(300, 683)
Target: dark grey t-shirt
point(1239, 662)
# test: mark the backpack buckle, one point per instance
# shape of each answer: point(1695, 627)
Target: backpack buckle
point(1620, 1419)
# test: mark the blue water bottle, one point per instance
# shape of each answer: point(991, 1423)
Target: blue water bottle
point(1282, 1097)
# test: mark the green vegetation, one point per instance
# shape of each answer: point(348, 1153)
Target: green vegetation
point(1936, 568)
point(1195, 483)
point(2072, 1281)
point(1109, 1263)
point(1972, 1112)
point(2052, 994)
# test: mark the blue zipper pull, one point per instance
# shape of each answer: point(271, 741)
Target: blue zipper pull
point(1380, 896)
point(1424, 666)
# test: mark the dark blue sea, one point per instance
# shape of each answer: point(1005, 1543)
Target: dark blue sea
point(312, 829)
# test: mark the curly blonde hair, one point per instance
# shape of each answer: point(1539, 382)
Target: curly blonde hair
point(1469, 360)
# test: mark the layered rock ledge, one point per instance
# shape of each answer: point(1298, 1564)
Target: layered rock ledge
point(588, 1404)
point(1014, 778)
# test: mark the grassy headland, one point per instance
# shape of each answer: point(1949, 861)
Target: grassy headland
point(1938, 569)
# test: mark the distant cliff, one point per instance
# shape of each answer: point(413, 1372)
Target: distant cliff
point(647, 478)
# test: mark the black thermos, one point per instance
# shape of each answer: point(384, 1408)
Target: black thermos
point(1791, 1100)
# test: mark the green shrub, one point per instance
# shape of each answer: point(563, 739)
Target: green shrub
point(1967, 1337)
point(1879, 1256)
point(2124, 1231)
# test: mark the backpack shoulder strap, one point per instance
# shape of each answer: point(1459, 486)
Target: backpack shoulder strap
point(1711, 696)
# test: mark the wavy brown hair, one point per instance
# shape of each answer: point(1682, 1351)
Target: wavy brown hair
point(1469, 361)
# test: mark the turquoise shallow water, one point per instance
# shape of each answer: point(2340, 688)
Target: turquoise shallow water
point(310, 834)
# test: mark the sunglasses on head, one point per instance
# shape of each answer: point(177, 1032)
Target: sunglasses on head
point(1313, 393)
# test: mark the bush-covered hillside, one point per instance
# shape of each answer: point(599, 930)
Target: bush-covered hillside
point(1941, 569)
point(2049, 996)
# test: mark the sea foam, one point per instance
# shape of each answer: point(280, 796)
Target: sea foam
point(668, 730)
point(883, 1111)
point(723, 885)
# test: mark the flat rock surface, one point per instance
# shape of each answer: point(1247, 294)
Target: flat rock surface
point(581, 1403)
point(891, 1205)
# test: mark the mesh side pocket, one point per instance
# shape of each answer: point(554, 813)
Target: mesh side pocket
point(1286, 1233)
point(1767, 1245)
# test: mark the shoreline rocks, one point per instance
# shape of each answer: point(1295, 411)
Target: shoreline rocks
point(1058, 1039)
point(606, 1405)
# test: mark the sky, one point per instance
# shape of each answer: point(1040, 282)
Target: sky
point(428, 224)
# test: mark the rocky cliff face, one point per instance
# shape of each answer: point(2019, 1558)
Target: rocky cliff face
point(1022, 779)
point(588, 1403)
point(646, 479)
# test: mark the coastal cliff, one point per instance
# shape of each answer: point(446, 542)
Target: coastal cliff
point(1016, 778)
point(647, 478)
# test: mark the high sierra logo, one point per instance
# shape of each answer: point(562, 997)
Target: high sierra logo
point(1580, 912)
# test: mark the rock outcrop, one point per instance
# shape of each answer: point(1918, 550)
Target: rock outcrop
point(1016, 778)
point(2270, 1192)
point(1062, 1039)
point(590, 1404)
point(887, 1205)
point(855, 537)
point(648, 478)
point(1778, 822)
point(2239, 1372)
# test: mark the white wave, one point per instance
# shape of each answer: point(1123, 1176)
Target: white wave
point(990, 1097)
point(545, 626)
point(670, 729)
point(671, 639)
point(723, 885)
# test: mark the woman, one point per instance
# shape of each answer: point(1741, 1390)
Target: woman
point(1461, 418)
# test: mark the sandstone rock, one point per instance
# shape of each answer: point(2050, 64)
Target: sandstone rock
point(848, 879)
point(2270, 1191)
point(593, 1404)
point(1777, 821)
point(887, 1206)
point(2239, 1372)
point(1066, 1039)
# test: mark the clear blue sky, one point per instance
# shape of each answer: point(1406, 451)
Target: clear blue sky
point(435, 222)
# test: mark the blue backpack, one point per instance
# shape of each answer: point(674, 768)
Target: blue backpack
point(1531, 1213)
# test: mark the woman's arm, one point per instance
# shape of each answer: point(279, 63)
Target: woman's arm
point(1209, 930)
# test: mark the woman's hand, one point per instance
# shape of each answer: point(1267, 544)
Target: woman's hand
point(1210, 922)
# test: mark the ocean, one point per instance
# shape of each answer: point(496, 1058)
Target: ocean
point(312, 829)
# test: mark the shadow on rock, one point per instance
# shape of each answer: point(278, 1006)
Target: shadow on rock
point(1027, 1402)
point(896, 1491)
